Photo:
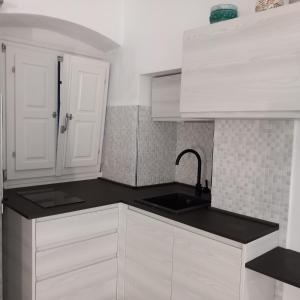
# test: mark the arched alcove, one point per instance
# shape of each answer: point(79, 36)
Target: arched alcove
point(29, 25)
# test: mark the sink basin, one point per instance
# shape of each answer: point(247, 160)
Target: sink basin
point(176, 203)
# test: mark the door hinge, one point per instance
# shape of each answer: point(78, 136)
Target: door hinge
point(60, 58)
point(4, 175)
point(14, 154)
point(13, 69)
point(3, 47)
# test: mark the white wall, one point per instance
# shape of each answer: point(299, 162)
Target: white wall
point(102, 16)
point(293, 236)
point(49, 39)
point(153, 41)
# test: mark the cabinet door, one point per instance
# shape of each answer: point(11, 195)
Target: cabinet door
point(148, 262)
point(84, 98)
point(165, 97)
point(204, 269)
point(239, 69)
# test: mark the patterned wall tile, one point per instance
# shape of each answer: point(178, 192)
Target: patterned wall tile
point(200, 137)
point(156, 150)
point(252, 168)
point(120, 146)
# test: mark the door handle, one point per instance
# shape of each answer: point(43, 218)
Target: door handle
point(65, 127)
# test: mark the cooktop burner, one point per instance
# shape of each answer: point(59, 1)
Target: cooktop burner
point(47, 198)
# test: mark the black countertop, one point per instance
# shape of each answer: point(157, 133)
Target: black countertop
point(279, 263)
point(100, 192)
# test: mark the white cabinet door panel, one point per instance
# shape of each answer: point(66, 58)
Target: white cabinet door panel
point(148, 262)
point(35, 100)
point(205, 269)
point(87, 99)
point(97, 282)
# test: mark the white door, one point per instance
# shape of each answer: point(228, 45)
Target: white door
point(84, 101)
point(35, 104)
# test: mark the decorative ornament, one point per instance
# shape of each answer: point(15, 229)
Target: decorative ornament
point(267, 4)
point(223, 12)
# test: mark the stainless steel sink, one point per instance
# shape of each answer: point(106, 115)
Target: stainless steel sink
point(177, 202)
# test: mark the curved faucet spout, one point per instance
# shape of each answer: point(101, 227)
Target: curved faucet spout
point(198, 185)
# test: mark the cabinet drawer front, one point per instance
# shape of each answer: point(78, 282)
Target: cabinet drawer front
point(205, 269)
point(97, 282)
point(69, 229)
point(73, 256)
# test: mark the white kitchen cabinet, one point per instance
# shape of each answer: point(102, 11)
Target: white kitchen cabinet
point(242, 69)
point(168, 260)
point(38, 148)
point(148, 261)
point(165, 97)
point(125, 253)
point(68, 256)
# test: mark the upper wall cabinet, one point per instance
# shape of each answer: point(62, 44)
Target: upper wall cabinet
point(56, 107)
point(165, 97)
point(246, 67)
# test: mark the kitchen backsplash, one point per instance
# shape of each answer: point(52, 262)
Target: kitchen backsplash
point(252, 169)
point(198, 136)
point(120, 144)
point(138, 151)
point(156, 150)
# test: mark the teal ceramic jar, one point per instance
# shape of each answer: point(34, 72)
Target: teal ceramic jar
point(223, 12)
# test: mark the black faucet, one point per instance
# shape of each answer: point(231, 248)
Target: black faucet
point(198, 184)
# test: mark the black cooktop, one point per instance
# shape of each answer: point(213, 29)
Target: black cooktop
point(48, 198)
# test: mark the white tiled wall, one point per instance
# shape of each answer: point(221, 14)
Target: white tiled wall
point(252, 169)
point(200, 137)
point(138, 151)
point(120, 144)
point(156, 150)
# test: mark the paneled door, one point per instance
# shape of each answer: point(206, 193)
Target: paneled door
point(35, 110)
point(83, 112)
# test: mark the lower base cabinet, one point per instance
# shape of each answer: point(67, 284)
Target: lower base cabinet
point(165, 262)
point(71, 256)
point(123, 253)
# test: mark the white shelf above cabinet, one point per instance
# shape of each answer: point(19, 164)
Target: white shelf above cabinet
point(248, 67)
point(165, 97)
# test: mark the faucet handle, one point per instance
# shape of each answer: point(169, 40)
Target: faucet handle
point(206, 189)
